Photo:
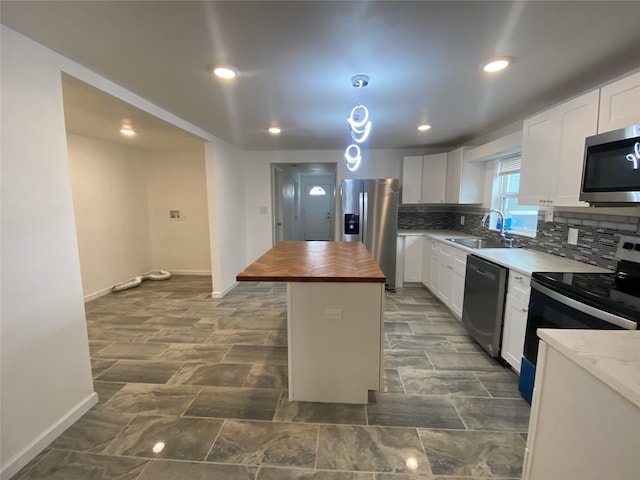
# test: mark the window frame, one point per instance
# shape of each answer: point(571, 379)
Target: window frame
point(498, 195)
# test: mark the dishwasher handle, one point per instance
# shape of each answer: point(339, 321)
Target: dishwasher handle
point(481, 272)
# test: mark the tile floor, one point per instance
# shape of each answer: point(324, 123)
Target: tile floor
point(194, 388)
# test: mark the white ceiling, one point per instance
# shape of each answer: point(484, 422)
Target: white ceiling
point(296, 60)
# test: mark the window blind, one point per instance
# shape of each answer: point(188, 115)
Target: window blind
point(509, 165)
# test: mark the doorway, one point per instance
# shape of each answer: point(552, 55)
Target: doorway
point(303, 201)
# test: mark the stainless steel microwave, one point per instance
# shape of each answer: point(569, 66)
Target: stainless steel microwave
point(611, 168)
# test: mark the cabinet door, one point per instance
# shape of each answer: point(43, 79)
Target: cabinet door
point(578, 119)
point(400, 261)
point(454, 176)
point(540, 140)
point(465, 180)
point(459, 273)
point(445, 276)
point(412, 180)
point(620, 104)
point(413, 258)
point(434, 174)
point(515, 325)
point(426, 262)
point(435, 266)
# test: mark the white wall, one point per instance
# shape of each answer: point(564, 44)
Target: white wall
point(45, 371)
point(226, 200)
point(177, 181)
point(110, 203)
point(122, 197)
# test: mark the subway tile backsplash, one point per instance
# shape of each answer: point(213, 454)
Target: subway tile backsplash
point(597, 238)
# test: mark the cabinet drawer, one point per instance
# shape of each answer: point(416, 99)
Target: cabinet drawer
point(519, 286)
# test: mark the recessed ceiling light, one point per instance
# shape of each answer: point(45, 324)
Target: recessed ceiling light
point(274, 131)
point(126, 128)
point(497, 64)
point(424, 128)
point(225, 72)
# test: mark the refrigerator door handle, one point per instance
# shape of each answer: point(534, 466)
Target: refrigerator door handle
point(365, 210)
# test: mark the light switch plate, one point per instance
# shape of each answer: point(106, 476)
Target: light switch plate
point(333, 314)
point(573, 236)
point(548, 214)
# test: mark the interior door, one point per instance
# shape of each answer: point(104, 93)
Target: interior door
point(317, 203)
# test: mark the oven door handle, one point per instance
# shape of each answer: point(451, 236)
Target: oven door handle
point(587, 309)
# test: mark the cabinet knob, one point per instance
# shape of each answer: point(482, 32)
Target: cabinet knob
point(525, 310)
point(517, 278)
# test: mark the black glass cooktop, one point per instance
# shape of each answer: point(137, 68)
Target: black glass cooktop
point(606, 291)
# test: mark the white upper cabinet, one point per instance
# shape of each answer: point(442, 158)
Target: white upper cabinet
point(465, 180)
point(553, 151)
point(412, 180)
point(434, 173)
point(423, 178)
point(620, 104)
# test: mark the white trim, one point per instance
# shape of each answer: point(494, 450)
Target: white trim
point(104, 291)
point(191, 272)
point(42, 441)
point(97, 294)
point(221, 294)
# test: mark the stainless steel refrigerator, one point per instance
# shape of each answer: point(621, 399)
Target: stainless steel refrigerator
point(369, 215)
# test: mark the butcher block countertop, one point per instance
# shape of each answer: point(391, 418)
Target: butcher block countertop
point(314, 262)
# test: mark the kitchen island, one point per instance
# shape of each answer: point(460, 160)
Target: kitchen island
point(585, 417)
point(335, 293)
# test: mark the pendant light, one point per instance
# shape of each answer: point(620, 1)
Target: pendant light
point(359, 127)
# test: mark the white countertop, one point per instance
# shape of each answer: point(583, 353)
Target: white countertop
point(612, 356)
point(521, 260)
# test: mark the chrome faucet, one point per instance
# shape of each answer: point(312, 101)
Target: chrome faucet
point(503, 237)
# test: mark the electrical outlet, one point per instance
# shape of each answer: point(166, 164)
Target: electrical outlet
point(573, 236)
point(332, 314)
point(461, 219)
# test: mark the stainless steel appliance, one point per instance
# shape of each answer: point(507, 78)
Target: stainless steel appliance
point(483, 308)
point(611, 168)
point(370, 215)
point(599, 301)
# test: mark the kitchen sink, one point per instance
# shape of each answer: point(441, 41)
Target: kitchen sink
point(477, 242)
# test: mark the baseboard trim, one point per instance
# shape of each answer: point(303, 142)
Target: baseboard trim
point(43, 440)
point(98, 294)
point(105, 291)
point(190, 272)
point(221, 294)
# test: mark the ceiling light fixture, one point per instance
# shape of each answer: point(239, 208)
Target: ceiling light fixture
point(126, 128)
point(226, 72)
point(424, 127)
point(274, 131)
point(359, 126)
point(497, 64)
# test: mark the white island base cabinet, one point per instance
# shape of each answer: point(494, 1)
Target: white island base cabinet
point(335, 340)
point(580, 428)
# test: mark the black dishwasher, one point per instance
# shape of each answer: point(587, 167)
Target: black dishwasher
point(485, 290)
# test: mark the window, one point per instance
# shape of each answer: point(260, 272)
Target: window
point(524, 218)
point(317, 191)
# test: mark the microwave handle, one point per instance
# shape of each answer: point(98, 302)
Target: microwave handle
point(587, 309)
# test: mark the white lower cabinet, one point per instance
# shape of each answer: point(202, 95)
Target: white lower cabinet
point(413, 258)
point(426, 262)
point(459, 273)
point(515, 318)
point(448, 268)
point(435, 261)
